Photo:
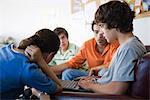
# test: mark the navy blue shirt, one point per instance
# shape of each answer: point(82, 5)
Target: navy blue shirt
point(16, 71)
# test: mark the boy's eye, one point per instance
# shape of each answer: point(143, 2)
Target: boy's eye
point(101, 25)
point(96, 31)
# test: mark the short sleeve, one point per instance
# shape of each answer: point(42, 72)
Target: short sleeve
point(78, 59)
point(124, 69)
point(34, 77)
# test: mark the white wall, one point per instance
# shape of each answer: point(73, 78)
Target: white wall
point(22, 18)
point(142, 29)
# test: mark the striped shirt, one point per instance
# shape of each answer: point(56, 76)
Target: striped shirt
point(62, 57)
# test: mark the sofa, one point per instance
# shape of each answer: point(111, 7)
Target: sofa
point(140, 88)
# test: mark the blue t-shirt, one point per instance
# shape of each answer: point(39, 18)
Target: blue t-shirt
point(16, 71)
point(121, 67)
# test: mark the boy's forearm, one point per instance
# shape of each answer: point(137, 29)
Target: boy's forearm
point(110, 88)
point(46, 69)
point(58, 69)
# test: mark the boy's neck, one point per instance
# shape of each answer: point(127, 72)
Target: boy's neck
point(19, 50)
point(100, 48)
point(124, 37)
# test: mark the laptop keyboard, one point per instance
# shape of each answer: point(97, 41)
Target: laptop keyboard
point(72, 86)
point(69, 84)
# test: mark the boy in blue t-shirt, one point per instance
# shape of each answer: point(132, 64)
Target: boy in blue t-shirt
point(17, 70)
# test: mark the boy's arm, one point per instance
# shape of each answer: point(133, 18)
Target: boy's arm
point(59, 68)
point(74, 62)
point(34, 54)
point(46, 69)
point(113, 87)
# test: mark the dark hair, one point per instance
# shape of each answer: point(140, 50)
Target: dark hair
point(116, 14)
point(92, 26)
point(45, 39)
point(60, 30)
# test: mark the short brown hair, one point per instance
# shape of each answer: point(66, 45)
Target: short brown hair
point(45, 39)
point(60, 30)
point(116, 14)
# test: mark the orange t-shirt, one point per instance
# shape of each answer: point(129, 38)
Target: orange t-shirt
point(89, 53)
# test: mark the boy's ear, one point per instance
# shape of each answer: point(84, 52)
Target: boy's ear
point(49, 57)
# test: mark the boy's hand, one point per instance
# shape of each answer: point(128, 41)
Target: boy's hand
point(94, 71)
point(85, 83)
point(33, 53)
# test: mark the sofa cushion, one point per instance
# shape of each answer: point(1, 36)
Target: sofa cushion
point(141, 86)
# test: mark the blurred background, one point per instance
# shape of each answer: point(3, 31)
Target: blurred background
point(22, 18)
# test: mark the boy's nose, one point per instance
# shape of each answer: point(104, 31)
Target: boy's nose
point(100, 35)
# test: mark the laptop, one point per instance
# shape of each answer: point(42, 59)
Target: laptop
point(73, 86)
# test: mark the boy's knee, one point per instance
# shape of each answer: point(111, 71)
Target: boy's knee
point(67, 71)
point(66, 75)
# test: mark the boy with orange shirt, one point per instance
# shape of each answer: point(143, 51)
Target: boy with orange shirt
point(97, 52)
